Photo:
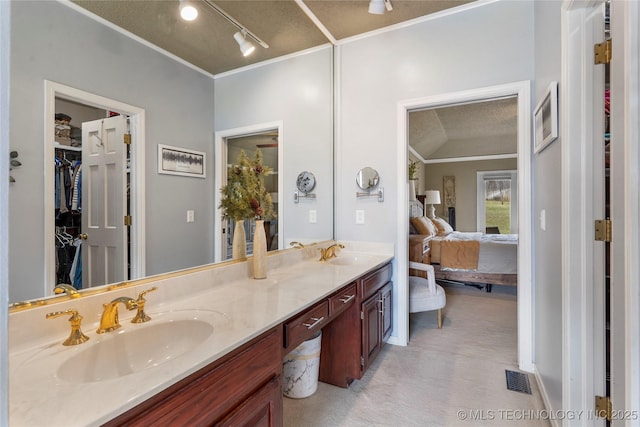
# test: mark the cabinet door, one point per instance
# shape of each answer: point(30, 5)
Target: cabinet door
point(260, 410)
point(371, 331)
point(387, 310)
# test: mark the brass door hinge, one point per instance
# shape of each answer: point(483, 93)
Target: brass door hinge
point(128, 220)
point(602, 52)
point(604, 407)
point(127, 138)
point(602, 229)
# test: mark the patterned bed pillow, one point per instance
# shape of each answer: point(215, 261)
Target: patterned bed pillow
point(423, 225)
point(443, 226)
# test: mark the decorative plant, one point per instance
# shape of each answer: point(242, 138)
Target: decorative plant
point(413, 169)
point(245, 195)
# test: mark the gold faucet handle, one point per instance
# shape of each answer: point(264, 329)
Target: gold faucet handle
point(76, 336)
point(141, 316)
point(65, 288)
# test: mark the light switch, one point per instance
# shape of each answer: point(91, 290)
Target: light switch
point(359, 217)
point(191, 215)
point(313, 216)
point(543, 220)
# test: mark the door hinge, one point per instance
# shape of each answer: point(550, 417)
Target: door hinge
point(362, 361)
point(362, 315)
point(604, 407)
point(602, 52)
point(602, 229)
point(128, 220)
point(127, 139)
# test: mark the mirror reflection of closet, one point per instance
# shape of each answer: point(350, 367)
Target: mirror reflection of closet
point(70, 231)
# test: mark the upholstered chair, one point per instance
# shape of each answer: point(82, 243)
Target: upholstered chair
point(425, 294)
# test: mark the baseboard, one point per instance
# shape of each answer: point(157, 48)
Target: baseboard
point(545, 397)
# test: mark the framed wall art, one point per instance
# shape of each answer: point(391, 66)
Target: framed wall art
point(545, 118)
point(181, 161)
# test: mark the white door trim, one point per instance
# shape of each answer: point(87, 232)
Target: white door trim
point(625, 209)
point(582, 137)
point(220, 154)
point(137, 120)
point(522, 90)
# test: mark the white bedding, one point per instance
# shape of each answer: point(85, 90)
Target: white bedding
point(498, 252)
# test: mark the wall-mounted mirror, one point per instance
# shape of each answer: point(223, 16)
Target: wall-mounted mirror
point(367, 178)
point(177, 215)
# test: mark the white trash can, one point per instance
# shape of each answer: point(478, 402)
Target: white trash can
point(301, 367)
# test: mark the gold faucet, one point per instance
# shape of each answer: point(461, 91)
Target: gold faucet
point(330, 252)
point(141, 316)
point(76, 336)
point(296, 245)
point(68, 289)
point(109, 320)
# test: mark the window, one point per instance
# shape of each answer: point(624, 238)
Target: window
point(497, 196)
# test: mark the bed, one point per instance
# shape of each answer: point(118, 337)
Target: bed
point(470, 257)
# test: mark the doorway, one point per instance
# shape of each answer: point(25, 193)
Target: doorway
point(522, 92)
point(54, 91)
point(266, 137)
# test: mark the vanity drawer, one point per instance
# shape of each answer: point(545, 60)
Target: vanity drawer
point(343, 299)
point(374, 281)
point(304, 325)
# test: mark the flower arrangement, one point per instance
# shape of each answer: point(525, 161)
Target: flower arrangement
point(245, 195)
point(413, 168)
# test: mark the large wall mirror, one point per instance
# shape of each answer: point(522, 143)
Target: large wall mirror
point(175, 221)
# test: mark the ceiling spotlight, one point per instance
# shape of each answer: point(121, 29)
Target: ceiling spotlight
point(246, 47)
point(376, 7)
point(188, 11)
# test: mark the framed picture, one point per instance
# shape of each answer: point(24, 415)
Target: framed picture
point(545, 118)
point(181, 161)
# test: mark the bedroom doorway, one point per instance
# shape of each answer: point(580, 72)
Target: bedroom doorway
point(442, 161)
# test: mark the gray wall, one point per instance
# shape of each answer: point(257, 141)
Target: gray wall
point(299, 93)
point(489, 45)
point(73, 50)
point(466, 186)
point(547, 254)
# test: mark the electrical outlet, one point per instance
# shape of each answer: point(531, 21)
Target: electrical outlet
point(359, 217)
point(313, 216)
point(191, 215)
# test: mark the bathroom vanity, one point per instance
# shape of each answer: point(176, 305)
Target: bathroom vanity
point(231, 372)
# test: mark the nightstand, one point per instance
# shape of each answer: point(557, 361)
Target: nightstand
point(419, 251)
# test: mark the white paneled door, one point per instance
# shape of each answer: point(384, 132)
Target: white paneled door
point(104, 248)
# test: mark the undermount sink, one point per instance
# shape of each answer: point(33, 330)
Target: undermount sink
point(350, 259)
point(131, 350)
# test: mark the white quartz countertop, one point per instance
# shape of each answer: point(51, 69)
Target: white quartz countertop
point(239, 307)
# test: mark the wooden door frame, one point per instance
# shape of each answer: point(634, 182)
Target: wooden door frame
point(55, 90)
point(521, 90)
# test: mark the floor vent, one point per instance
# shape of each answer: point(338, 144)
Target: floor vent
point(518, 381)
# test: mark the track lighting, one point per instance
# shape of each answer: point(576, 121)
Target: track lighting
point(246, 47)
point(188, 11)
point(377, 7)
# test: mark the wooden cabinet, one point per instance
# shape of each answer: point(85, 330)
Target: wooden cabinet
point(243, 388)
point(419, 251)
point(375, 313)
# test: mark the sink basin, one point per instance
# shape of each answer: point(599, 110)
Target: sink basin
point(132, 350)
point(350, 259)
